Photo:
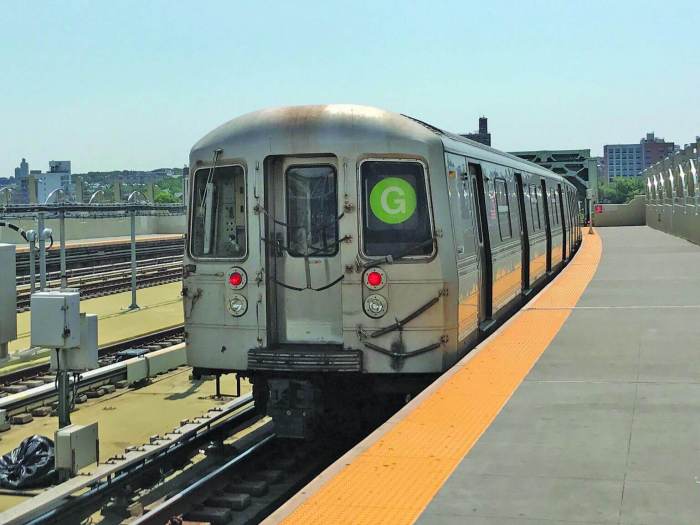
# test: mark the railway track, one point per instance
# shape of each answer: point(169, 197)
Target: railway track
point(90, 271)
point(108, 354)
point(249, 484)
point(109, 281)
point(77, 257)
point(239, 480)
point(142, 469)
point(225, 467)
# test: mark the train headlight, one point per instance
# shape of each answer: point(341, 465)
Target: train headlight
point(375, 278)
point(376, 305)
point(237, 305)
point(237, 278)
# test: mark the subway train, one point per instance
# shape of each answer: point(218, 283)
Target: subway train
point(343, 256)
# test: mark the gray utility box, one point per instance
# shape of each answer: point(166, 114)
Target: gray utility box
point(77, 446)
point(83, 357)
point(56, 319)
point(8, 294)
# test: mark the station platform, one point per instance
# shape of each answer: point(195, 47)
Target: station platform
point(583, 408)
point(160, 307)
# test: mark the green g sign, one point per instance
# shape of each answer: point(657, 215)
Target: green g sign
point(392, 200)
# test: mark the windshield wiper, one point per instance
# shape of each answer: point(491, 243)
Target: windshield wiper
point(392, 258)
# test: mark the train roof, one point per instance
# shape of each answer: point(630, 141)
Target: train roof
point(340, 119)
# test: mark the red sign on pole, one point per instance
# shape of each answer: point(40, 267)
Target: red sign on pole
point(599, 208)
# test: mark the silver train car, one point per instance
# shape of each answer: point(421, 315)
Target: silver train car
point(343, 255)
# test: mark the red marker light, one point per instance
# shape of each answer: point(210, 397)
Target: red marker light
point(374, 278)
point(235, 279)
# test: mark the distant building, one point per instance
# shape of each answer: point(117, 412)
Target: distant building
point(482, 135)
point(21, 194)
point(22, 170)
point(622, 160)
point(629, 160)
point(58, 176)
point(655, 149)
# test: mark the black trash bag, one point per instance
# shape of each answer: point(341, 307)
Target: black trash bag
point(31, 464)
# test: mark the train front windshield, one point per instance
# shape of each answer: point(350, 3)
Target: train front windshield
point(396, 218)
point(218, 213)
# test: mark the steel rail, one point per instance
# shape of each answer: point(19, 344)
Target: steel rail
point(77, 255)
point(180, 501)
point(23, 280)
point(99, 276)
point(113, 284)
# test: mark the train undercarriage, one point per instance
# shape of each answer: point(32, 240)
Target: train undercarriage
point(304, 405)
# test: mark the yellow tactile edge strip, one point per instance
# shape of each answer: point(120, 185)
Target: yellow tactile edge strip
point(393, 475)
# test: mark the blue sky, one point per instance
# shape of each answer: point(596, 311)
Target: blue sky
point(133, 84)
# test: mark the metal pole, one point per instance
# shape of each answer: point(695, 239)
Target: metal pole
point(63, 398)
point(42, 252)
point(32, 263)
point(133, 305)
point(62, 228)
point(590, 216)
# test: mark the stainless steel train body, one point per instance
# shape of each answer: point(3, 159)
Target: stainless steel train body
point(341, 245)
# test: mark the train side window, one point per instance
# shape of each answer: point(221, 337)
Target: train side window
point(396, 212)
point(312, 208)
point(503, 210)
point(540, 207)
point(554, 207)
point(535, 209)
point(218, 225)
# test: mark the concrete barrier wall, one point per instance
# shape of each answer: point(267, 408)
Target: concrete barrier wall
point(681, 220)
point(99, 228)
point(630, 214)
point(673, 192)
point(154, 363)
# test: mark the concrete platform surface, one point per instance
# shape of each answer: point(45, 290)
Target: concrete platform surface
point(582, 408)
point(606, 426)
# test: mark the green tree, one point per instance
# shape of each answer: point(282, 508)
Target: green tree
point(620, 190)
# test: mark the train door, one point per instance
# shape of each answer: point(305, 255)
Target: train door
point(564, 222)
point(483, 245)
point(524, 235)
point(466, 249)
point(547, 225)
point(304, 253)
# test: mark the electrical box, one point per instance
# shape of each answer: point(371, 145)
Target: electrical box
point(83, 357)
point(8, 294)
point(76, 447)
point(55, 319)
